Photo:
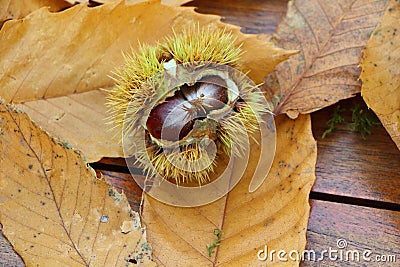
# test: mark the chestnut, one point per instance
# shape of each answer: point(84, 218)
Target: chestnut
point(173, 119)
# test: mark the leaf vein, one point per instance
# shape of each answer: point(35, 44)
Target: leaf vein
point(18, 124)
point(176, 234)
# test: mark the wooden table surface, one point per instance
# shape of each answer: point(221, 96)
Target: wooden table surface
point(356, 196)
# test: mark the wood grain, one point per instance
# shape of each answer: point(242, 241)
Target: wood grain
point(260, 16)
point(8, 257)
point(348, 165)
point(363, 228)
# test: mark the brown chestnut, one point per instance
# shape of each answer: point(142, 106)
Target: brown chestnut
point(179, 123)
point(173, 119)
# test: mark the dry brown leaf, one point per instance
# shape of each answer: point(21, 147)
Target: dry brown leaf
point(330, 36)
point(58, 61)
point(11, 9)
point(43, 59)
point(54, 210)
point(275, 215)
point(381, 71)
point(80, 119)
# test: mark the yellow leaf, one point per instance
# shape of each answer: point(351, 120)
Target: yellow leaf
point(54, 210)
point(164, 2)
point(330, 36)
point(275, 215)
point(381, 71)
point(174, 2)
point(11, 9)
point(43, 59)
point(80, 119)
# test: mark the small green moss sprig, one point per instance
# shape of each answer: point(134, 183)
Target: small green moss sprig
point(210, 248)
point(362, 120)
point(337, 117)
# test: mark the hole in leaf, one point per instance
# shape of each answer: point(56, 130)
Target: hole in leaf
point(134, 261)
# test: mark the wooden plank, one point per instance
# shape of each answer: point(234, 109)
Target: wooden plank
point(363, 229)
point(111, 161)
point(348, 165)
point(8, 257)
point(251, 16)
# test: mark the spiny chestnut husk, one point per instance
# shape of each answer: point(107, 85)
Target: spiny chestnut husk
point(183, 102)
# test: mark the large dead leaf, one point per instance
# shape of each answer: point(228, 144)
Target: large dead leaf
point(54, 210)
point(330, 36)
point(43, 59)
point(275, 215)
point(381, 71)
point(11, 9)
point(78, 118)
